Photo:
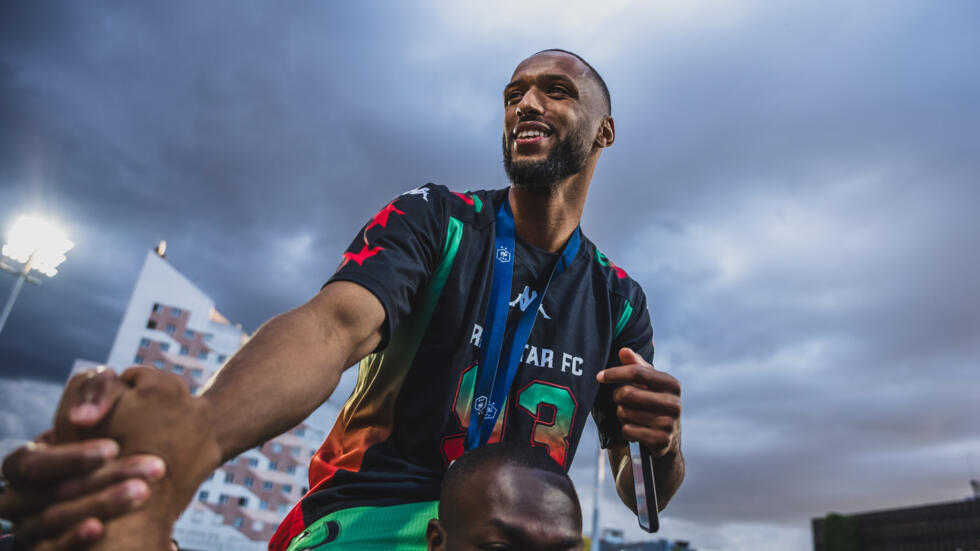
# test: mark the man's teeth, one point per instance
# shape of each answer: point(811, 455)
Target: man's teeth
point(530, 134)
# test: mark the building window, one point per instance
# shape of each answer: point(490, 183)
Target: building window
point(192, 389)
point(197, 372)
point(164, 346)
point(294, 450)
point(243, 502)
point(152, 324)
point(221, 358)
point(203, 354)
point(257, 526)
point(237, 523)
point(144, 343)
point(178, 368)
point(267, 486)
point(286, 488)
point(171, 329)
point(248, 482)
point(282, 508)
point(291, 469)
point(158, 363)
point(273, 466)
point(253, 462)
point(138, 359)
point(300, 431)
point(188, 333)
point(184, 351)
point(263, 505)
point(175, 312)
point(229, 478)
point(276, 447)
point(223, 498)
point(208, 337)
point(156, 306)
point(202, 495)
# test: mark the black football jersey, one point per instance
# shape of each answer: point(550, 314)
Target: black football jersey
point(427, 256)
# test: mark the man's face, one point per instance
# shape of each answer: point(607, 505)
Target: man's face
point(552, 109)
point(513, 508)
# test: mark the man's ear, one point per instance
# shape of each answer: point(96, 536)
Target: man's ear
point(606, 134)
point(435, 535)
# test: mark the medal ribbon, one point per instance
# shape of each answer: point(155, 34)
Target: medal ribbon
point(491, 390)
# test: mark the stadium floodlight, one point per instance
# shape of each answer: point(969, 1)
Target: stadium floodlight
point(36, 244)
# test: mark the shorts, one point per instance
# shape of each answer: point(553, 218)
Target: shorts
point(391, 528)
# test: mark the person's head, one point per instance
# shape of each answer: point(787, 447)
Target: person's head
point(556, 120)
point(507, 496)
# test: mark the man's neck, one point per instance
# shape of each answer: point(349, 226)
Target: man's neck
point(547, 221)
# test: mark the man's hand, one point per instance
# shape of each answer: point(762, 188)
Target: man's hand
point(59, 493)
point(156, 414)
point(648, 403)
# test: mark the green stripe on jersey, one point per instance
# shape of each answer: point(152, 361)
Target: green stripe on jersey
point(625, 317)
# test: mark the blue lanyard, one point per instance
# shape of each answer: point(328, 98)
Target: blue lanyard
point(491, 391)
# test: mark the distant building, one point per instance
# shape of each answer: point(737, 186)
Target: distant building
point(613, 540)
point(172, 325)
point(952, 526)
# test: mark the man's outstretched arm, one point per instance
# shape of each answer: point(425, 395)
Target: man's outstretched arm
point(289, 368)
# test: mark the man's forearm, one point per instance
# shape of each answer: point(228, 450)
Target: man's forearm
point(290, 367)
point(668, 473)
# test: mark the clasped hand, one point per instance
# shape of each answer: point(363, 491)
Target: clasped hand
point(88, 482)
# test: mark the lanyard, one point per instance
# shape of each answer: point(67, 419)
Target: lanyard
point(491, 391)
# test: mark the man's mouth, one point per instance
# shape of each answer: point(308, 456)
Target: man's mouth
point(527, 133)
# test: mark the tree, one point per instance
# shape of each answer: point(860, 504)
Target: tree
point(840, 533)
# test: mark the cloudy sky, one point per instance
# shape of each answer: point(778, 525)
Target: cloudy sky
point(793, 185)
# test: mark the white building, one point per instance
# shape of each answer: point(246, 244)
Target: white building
point(171, 324)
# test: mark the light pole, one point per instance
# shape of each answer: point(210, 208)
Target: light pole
point(38, 245)
point(600, 472)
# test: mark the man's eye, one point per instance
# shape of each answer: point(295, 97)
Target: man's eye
point(559, 90)
point(513, 96)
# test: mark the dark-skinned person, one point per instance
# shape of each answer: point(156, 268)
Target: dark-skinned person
point(476, 317)
point(506, 496)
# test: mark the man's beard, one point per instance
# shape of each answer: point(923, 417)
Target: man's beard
point(566, 158)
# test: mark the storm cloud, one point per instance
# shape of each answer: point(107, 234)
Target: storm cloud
point(793, 184)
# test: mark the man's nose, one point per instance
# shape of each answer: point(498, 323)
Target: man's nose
point(530, 104)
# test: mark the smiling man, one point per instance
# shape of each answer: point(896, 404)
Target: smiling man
point(477, 317)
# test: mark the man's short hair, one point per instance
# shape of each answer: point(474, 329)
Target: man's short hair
point(498, 454)
point(592, 73)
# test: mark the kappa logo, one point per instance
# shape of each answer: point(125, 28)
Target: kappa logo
point(480, 403)
point(503, 255)
point(525, 299)
point(424, 192)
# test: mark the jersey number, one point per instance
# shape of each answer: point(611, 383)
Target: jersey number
point(552, 408)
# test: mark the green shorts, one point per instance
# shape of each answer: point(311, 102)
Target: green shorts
point(391, 528)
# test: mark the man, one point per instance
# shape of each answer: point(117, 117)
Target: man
point(480, 317)
point(506, 496)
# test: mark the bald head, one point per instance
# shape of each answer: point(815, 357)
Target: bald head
point(507, 493)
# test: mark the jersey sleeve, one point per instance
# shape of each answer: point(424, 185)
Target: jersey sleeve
point(396, 251)
point(634, 331)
